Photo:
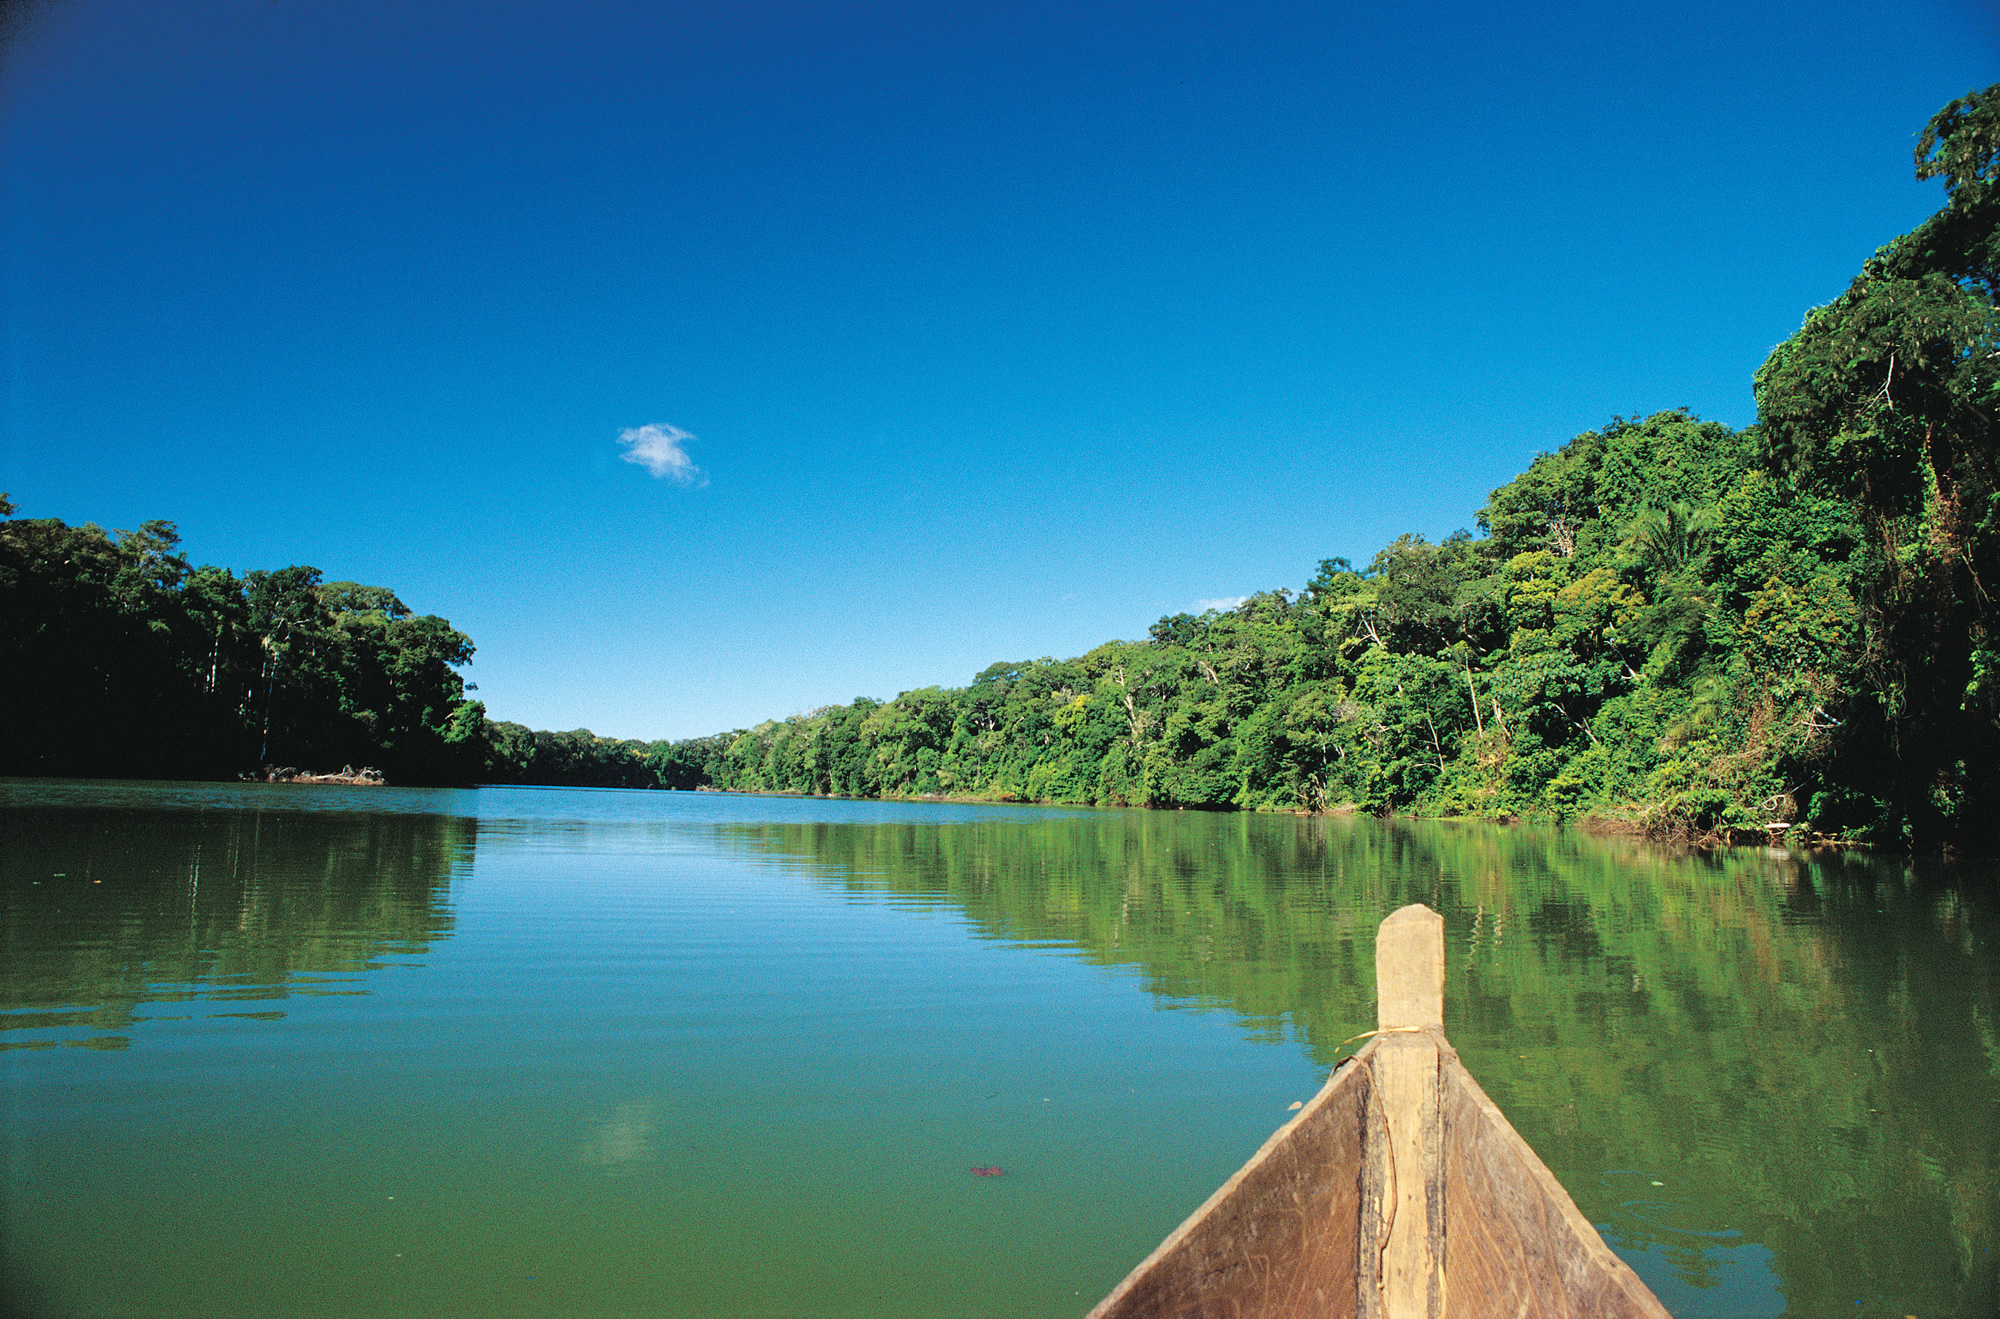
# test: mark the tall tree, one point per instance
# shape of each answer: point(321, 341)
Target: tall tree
point(1888, 398)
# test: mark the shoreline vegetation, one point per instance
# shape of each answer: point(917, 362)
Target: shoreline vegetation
point(365, 777)
point(1615, 824)
point(1785, 633)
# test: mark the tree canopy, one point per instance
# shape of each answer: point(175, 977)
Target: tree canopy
point(1666, 620)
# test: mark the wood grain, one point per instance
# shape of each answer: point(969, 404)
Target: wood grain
point(1519, 1245)
point(1280, 1239)
point(1399, 1192)
point(1408, 1088)
point(1409, 970)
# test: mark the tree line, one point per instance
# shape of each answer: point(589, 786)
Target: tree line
point(123, 658)
point(1785, 627)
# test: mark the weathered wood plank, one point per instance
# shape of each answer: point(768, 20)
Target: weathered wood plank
point(1409, 970)
point(1399, 1192)
point(1519, 1245)
point(1280, 1238)
point(1409, 1090)
point(1409, 1011)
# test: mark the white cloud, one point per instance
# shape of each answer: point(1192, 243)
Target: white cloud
point(1221, 602)
point(659, 449)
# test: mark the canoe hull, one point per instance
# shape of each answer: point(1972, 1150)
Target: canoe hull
point(1400, 1192)
point(1282, 1237)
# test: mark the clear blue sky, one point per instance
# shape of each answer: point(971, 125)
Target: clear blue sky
point(1001, 329)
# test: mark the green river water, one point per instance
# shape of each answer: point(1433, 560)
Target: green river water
point(320, 1051)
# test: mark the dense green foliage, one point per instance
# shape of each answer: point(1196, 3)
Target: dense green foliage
point(1885, 402)
point(1665, 620)
point(1629, 631)
point(123, 658)
point(1655, 625)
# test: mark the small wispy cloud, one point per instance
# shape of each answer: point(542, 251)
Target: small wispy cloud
point(660, 449)
point(1224, 602)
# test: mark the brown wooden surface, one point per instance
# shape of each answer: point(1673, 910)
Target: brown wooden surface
point(1399, 1192)
point(1519, 1246)
point(1280, 1239)
point(1409, 1013)
point(1409, 970)
point(1409, 1089)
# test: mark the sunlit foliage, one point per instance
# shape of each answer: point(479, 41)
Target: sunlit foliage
point(1665, 621)
point(124, 659)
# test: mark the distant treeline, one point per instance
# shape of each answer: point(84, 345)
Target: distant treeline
point(1653, 624)
point(1691, 627)
point(122, 658)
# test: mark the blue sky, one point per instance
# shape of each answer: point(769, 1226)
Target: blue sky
point(1000, 329)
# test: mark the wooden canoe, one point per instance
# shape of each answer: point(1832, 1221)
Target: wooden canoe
point(1399, 1192)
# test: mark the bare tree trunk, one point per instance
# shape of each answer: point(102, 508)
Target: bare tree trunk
point(270, 687)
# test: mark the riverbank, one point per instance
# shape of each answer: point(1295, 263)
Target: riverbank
point(1631, 822)
point(365, 777)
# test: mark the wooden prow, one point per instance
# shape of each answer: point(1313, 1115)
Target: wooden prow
point(1399, 1192)
point(1409, 1085)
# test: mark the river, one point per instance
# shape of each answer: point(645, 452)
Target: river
point(278, 1049)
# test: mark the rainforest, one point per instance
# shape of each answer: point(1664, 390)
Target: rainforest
point(1785, 631)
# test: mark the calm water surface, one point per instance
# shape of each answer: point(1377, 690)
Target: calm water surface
point(274, 1050)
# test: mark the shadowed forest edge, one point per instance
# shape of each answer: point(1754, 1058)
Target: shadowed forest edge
point(1787, 630)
